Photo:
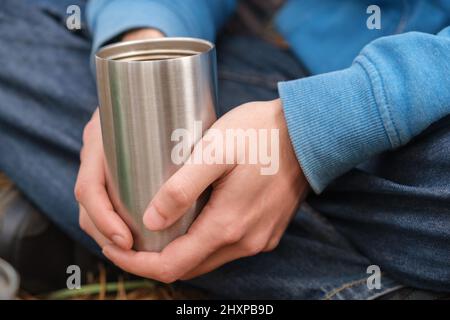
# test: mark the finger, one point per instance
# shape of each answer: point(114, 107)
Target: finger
point(91, 192)
point(220, 258)
point(89, 227)
point(179, 257)
point(250, 245)
point(246, 247)
point(140, 263)
point(216, 260)
point(180, 192)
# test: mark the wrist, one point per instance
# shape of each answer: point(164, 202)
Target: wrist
point(141, 34)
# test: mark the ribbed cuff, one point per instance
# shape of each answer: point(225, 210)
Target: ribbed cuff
point(334, 123)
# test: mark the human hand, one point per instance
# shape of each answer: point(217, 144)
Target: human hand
point(247, 212)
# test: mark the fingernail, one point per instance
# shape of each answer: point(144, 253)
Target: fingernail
point(119, 241)
point(153, 220)
point(105, 250)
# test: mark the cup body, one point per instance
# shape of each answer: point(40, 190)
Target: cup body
point(147, 89)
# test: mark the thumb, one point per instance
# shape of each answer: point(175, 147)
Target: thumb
point(179, 193)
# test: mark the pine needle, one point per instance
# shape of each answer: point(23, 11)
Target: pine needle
point(95, 289)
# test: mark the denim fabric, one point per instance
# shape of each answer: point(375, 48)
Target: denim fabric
point(396, 209)
point(47, 94)
point(396, 218)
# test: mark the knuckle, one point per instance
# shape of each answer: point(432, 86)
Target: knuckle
point(232, 234)
point(167, 279)
point(80, 190)
point(272, 244)
point(82, 153)
point(87, 131)
point(167, 274)
point(177, 193)
point(82, 222)
point(253, 247)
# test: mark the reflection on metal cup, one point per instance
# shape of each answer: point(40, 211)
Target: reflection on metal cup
point(146, 90)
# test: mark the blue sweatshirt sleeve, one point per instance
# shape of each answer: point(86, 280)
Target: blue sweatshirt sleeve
point(183, 18)
point(395, 88)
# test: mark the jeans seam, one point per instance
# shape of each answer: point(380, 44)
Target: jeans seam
point(347, 285)
point(330, 294)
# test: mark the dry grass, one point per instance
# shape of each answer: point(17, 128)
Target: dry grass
point(137, 289)
point(98, 288)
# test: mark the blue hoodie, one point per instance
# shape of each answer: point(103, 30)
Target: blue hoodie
point(371, 90)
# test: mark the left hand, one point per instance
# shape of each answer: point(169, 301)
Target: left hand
point(247, 212)
point(143, 33)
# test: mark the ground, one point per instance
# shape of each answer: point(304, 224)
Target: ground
point(99, 289)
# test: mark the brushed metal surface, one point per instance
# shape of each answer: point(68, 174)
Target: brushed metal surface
point(146, 90)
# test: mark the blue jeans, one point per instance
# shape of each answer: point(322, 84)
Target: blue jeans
point(393, 211)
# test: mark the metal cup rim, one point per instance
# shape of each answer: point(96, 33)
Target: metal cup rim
point(111, 52)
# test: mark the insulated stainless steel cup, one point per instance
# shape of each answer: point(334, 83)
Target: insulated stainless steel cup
point(146, 90)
